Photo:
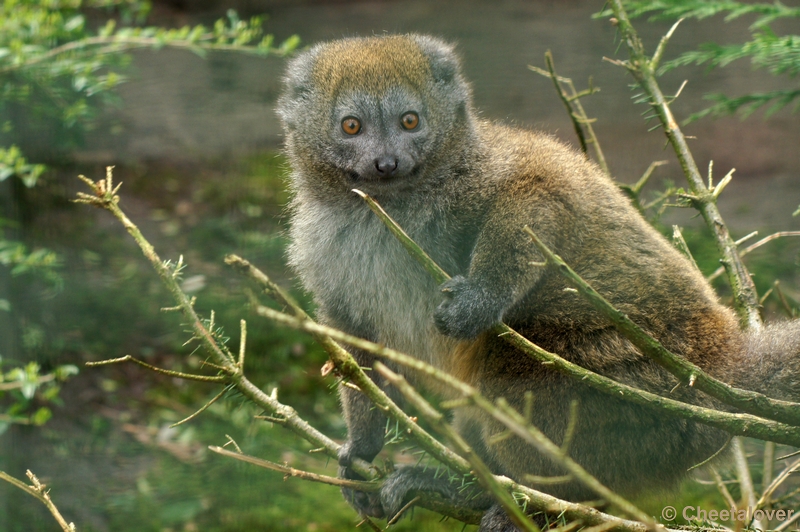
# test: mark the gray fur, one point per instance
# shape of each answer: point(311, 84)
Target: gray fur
point(463, 189)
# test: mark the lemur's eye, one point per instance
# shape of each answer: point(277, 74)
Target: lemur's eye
point(410, 120)
point(351, 125)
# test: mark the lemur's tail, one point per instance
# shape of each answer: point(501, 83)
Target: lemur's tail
point(772, 361)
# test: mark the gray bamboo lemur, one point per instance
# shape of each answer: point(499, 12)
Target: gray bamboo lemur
point(393, 117)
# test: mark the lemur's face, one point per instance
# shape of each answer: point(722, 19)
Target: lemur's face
point(373, 113)
point(379, 140)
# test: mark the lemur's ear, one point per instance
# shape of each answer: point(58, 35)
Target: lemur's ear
point(443, 59)
point(298, 83)
point(298, 72)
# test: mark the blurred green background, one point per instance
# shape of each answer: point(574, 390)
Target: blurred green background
point(197, 145)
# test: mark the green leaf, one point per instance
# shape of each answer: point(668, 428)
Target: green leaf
point(74, 23)
point(65, 371)
point(41, 416)
point(28, 389)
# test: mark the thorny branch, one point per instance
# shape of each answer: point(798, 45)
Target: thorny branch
point(287, 471)
point(232, 372)
point(643, 70)
point(739, 424)
point(105, 197)
point(780, 234)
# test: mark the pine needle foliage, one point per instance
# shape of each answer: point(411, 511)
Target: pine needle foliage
point(778, 54)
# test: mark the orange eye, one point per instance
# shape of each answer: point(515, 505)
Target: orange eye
point(351, 125)
point(410, 120)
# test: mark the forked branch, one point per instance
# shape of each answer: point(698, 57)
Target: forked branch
point(643, 70)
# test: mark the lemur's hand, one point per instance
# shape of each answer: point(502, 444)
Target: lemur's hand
point(468, 309)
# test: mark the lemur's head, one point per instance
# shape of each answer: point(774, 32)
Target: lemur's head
point(373, 112)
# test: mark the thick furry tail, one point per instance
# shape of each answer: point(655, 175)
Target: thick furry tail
point(772, 361)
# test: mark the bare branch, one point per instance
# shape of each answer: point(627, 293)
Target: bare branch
point(723, 489)
point(104, 196)
point(745, 480)
point(576, 124)
point(202, 409)
point(15, 385)
point(40, 491)
point(287, 471)
point(719, 271)
point(636, 188)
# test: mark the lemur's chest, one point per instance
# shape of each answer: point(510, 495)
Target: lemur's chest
point(366, 281)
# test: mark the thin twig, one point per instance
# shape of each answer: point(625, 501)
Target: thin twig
point(713, 456)
point(639, 185)
point(576, 124)
point(369, 522)
point(242, 342)
point(723, 489)
point(410, 504)
point(578, 117)
point(768, 469)
point(167, 372)
point(748, 492)
point(203, 408)
point(16, 385)
point(680, 243)
point(358, 485)
point(40, 492)
point(794, 467)
point(547, 481)
point(719, 271)
point(786, 307)
point(572, 424)
point(789, 522)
